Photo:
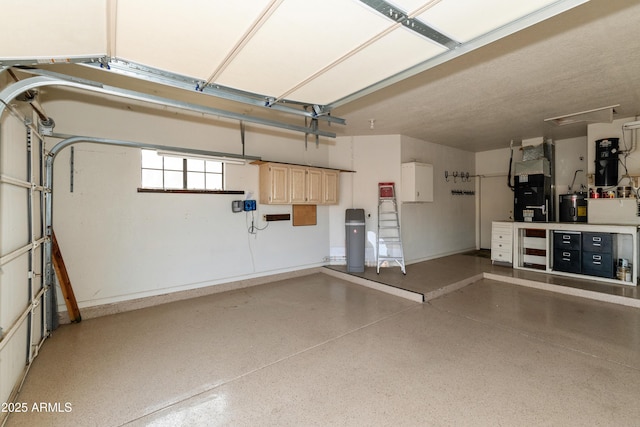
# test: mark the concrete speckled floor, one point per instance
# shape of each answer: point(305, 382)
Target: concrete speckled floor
point(318, 350)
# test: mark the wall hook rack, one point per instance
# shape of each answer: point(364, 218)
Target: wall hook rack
point(464, 176)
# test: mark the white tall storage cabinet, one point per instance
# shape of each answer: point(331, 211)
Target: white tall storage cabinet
point(502, 242)
point(417, 182)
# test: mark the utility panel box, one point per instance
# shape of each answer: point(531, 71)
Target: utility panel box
point(417, 182)
point(249, 205)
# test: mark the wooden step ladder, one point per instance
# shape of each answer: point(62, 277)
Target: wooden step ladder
point(389, 236)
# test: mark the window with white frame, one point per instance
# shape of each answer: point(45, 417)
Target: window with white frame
point(164, 172)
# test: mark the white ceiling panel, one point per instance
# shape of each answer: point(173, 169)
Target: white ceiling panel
point(397, 51)
point(299, 40)
point(187, 37)
point(464, 20)
point(53, 29)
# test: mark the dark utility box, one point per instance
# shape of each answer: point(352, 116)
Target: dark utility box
point(531, 193)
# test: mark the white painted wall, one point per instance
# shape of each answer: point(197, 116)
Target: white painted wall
point(120, 244)
point(571, 156)
point(446, 225)
point(373, 159)
point(429, 230)
point(494, 197)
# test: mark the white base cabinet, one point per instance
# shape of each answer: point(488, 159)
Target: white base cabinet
point(536, 246)
point(502, 242)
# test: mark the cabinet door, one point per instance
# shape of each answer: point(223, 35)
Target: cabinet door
point(417, 182)
point(330, 184)
point(314, 186)
point(279, 184)
point(298, 177)
point(424, 182)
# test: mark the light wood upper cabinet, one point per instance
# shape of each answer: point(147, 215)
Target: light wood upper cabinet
point(330, 186)
point(274, 184)
point(293, 184)
point(314, 186)
point(298, 184)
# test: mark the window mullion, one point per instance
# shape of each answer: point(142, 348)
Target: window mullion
point(184, 173)
point(164, 171)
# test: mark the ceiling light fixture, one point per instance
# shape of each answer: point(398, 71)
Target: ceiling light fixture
point(597, 115)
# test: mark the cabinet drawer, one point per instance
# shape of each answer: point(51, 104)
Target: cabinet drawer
point(597, 242)
point(598, 264)
point(499, 245)
point(567, 260)
point(567, 240)
point(501, 236)
point(500, 255)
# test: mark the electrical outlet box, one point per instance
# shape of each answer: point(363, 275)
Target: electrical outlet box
point(237, 206)
point(249, 205)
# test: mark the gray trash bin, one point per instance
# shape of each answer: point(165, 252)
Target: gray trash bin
point(355, 238)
